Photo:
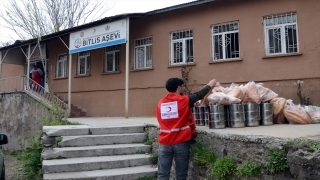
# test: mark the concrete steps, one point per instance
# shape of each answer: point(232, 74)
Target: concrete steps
point(85, 152)
point(130, 173)
point(90, 151)
point(94, 163)
point(75, 130)
point(94, 140)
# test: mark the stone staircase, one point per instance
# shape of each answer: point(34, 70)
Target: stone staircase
point(84, 152)
point(77, 111)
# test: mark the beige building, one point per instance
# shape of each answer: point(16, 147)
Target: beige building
point(276, 43)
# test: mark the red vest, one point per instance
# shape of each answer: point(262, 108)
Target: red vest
point(173, 117)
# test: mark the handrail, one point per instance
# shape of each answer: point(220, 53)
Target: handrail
point(47, 97)
point(20, 83)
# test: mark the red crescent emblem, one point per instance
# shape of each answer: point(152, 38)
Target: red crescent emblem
point(169, 109)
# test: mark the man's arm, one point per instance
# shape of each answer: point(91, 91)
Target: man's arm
point(201, 94)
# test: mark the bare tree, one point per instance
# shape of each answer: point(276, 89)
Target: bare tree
point(35, 18)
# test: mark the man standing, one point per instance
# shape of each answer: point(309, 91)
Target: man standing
point(173, 115)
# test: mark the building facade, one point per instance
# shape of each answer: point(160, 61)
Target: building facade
point(271, 42)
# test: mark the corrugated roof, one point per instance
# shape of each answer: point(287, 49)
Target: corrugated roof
point(19, 43)
point(179, 6)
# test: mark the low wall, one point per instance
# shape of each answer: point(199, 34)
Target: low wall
point(19, 118)
point(303, 163)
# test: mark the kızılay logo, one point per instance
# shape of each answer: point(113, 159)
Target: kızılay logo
point(77, 43)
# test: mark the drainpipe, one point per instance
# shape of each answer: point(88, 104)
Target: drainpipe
point(69, 86)
point(0, 69)
point(127, 72)
point(28, 67)
point(69, 78)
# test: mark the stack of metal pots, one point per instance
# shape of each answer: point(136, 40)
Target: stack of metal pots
point(252, 114)
point(266, 114)
point(217, 116)
point(237, 115)
point(199, 115)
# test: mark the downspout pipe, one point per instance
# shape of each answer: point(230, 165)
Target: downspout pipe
point(28, 67)
point(127, 72)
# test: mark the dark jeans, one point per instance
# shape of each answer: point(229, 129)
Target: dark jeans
point(181, 155)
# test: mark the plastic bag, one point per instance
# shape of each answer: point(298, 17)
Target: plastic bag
point(279, 119)
point(232, 86)
point(314, 113)
point(278, 105)
point(222, 98)
point(268, 95)
point(296, 114)
point(218, 97)
point(219, 89)
point(252, 93)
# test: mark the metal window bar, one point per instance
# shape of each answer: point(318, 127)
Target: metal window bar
point(142, 50)
point(280, 19)
point(182, 47)
point(112, 59)
point(83, 63)
point(225, 41)
point(61, 66)
point(281, 33)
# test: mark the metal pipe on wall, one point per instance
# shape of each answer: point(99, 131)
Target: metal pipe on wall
point(69, 86)
point(127, 72)
point(28, 67)
point(0, 68)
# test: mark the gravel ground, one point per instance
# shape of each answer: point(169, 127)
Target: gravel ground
point(13, 166)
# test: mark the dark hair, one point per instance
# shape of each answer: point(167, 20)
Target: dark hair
point(173, 83)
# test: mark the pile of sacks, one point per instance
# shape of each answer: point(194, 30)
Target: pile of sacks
point(283, 109)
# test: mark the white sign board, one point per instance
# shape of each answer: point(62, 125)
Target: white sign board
point(36, 55)
point(99, 36)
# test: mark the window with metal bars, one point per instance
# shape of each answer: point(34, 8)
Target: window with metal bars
point(281, 35)
point(142, 53)
point(182, 47)
point(112, 59)
point(225, 41)
point(62, 66)
point(83, 64)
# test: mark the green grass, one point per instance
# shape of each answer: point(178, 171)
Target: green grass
point(154, 159)
point(140, 152)
point(154, 177)
point(248, 169)
point(148, 142)
point(31, 157)
point(310, 145)
point(223, 168)
point(201, 156)
point(276, 162)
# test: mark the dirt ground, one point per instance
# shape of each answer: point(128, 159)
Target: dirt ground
point(13, 166)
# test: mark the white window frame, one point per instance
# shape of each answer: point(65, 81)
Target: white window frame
point(112, 50)
point(223, 34)
point(64, 65)
point(87, 58)
point(277, 24)
point(184, 47)
point(143, 43)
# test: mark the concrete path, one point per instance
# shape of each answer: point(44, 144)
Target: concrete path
point(311, 131)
